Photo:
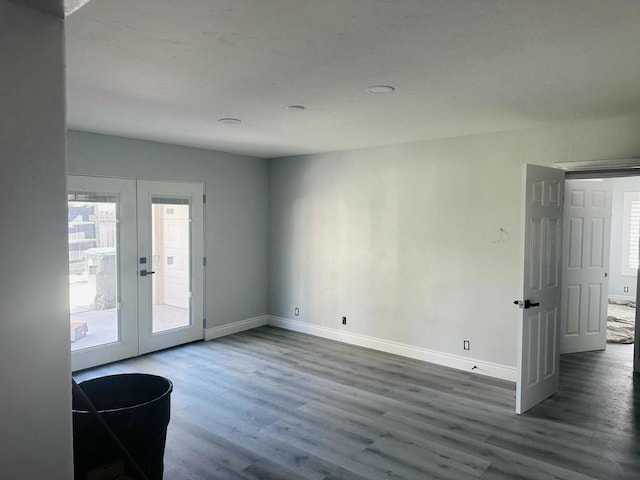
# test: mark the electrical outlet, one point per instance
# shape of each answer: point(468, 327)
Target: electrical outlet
point(344, 320)
point(296, 311)
point(626, 289)
point(465, 344)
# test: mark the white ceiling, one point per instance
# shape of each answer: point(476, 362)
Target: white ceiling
point(167, 70)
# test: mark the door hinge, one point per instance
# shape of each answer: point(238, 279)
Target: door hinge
point(204, 322)
point(204, 198)
point(204, 261)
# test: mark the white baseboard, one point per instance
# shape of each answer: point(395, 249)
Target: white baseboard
point(235, 327)
point(432, 356)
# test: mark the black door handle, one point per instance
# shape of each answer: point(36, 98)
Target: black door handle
point(144, 273)
point(525, 304)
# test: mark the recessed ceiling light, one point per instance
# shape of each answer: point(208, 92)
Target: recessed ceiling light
point(380, 89)
point(230, 121)
point(296, 108)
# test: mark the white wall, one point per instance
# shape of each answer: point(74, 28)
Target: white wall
point(402, 239)
point(35, 371)
point(236, 211)
point(617, 281)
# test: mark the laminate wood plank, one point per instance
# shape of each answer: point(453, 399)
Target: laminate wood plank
point(419, 450)
point(332, 452)
point(197, 468)
point(573, 455)
point(193, 441)
point(327, 436)
point(302, 463)
point(266, 470)
point(414, 369)
point(270, 403)
point(360, 402)
point(455, 447)
point(385, 384)
point(394, 458)
point(347, 397)
point(343, 370)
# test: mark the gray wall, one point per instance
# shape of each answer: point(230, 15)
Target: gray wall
point(405, 240)
point(35, 371)
point(617, 281)
point(236, 211)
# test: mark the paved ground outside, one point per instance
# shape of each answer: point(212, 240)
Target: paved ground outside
point(102, 325)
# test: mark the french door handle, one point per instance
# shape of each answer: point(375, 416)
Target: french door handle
point(525, 303)
point(144, 273)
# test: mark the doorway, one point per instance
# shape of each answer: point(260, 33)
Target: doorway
point(600, 262)
point(610, 169)
point(576, 312)
point(625, 242)
point(136, 274)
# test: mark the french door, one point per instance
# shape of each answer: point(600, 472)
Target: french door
point(136, 275)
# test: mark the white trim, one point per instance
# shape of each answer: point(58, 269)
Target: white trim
point(235, 327)
point(612, 164)
point(446, 359)
point(630, 233)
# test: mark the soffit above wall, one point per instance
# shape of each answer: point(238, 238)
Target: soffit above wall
point(619, 167)
point(59, 8)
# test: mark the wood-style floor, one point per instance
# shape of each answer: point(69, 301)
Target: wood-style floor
point(272, 404)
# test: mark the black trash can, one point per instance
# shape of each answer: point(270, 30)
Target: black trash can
point(137, 408)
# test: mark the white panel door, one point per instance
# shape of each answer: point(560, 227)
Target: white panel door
point(585, 282)
point(538, 354)
point(170, 264)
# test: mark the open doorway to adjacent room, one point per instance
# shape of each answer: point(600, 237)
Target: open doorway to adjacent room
point(623, 260)
point(601, 248)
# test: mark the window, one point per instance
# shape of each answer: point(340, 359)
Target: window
point(631, 233)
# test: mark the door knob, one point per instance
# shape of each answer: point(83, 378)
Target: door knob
point(525, 303)
point(144, 273)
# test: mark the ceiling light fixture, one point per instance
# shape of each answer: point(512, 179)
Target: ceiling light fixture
point(380, 89)
point(296, 108)
point(230, 121)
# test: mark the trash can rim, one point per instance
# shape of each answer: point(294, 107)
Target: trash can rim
point(138, 405)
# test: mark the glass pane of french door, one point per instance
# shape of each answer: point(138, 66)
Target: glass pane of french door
point(102, 270)
point(171, 255)
point(93, 269)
